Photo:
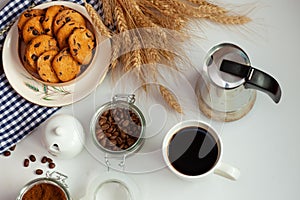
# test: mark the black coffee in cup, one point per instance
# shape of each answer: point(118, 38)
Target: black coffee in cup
point(193, 151)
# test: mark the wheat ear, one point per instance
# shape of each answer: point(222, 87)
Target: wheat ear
point(160, 18)
point(170, 98)
point(230, 19)
point(107, 10)
point(101, 28)
point(198, 2)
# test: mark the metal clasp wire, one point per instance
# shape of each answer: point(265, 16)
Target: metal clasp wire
point(121, 164)
point(58, 177)
point(130, 98)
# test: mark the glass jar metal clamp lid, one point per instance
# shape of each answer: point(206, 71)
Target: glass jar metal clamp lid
point(54, 185)
point(118, 128)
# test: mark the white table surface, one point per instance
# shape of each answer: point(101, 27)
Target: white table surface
point(264, 144)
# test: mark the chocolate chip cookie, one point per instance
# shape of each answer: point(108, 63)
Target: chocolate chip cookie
point(44, 66)
point(32, 28)
point(65, 66)
point(66, 16)
point(65, 31)
point(82, 43)
point(36, 47)
point(28, 14)
point(50, 14)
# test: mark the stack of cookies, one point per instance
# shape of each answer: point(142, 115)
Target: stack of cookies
point(57, 41)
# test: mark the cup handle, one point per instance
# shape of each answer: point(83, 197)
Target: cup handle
point(227, 171)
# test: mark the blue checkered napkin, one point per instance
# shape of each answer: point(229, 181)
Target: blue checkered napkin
point(18, 117)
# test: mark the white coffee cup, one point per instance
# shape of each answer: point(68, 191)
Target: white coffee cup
point(211, 136)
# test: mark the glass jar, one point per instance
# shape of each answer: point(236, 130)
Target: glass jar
point(53, 182)
point(118, 129)
point(118, 126)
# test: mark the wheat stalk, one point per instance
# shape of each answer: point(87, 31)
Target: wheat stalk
point(198, 2)
point(137, 15)
point(107, 10)
point(170, 98)
point(174, 22)
point(181, 8)
point(97, 20)
point(230, 20)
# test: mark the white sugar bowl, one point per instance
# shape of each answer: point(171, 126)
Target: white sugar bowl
point(63, 136)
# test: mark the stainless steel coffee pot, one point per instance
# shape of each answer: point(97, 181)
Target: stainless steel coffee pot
point(227, 88)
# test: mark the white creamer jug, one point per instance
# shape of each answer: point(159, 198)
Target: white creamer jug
point(63, 136)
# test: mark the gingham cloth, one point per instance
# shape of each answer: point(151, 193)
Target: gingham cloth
point(19, 117)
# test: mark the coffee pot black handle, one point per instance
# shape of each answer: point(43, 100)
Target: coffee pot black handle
point(254, 78)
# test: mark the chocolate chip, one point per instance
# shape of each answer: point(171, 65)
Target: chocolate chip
point(32, 158)
point(37, 45)
point(26, 162)
point(34, 57)
point(88, 35)
point(35, 32)
point(27, 15)
point(41, 19)
point(47, 57)
point(60, 58)
point(39, 171)
point(47, 30)
point(68, 19)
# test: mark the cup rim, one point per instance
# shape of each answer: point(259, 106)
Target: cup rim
point(184, 124)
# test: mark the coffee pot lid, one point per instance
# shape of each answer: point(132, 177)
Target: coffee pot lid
point(215, 57)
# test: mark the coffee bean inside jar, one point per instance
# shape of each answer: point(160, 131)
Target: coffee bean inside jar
point(118, 128)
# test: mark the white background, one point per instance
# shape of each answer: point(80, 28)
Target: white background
point(264, 144)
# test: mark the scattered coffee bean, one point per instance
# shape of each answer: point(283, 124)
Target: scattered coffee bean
point(12, 148)
point(118, 128)
point(6, 153)
point(44, 159)
point(49, 160)
point(26, 162)
point(39, 171)
point(51, 165)
point(32, 158)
